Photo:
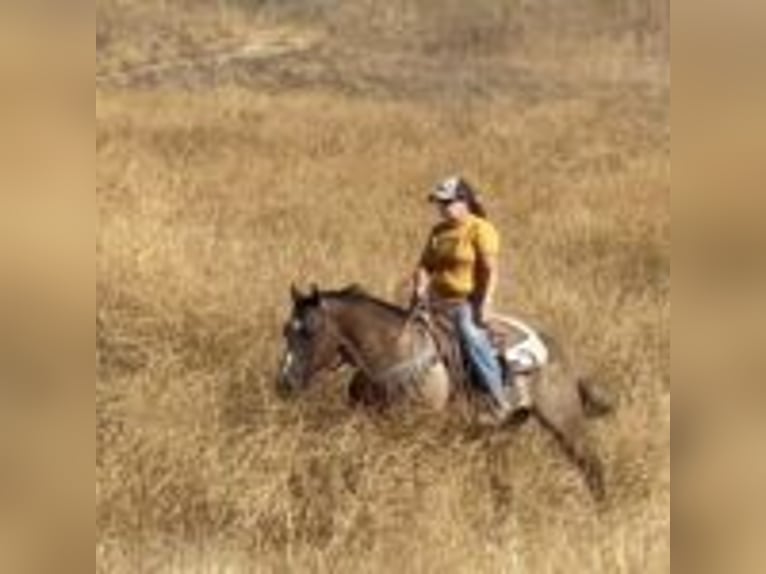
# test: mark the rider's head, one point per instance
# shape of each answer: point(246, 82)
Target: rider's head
point(456, 199)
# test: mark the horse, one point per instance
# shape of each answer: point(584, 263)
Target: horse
point(396, 359)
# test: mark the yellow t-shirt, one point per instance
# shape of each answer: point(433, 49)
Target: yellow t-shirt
point(452, 252)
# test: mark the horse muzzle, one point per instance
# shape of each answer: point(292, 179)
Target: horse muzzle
point(288, 380)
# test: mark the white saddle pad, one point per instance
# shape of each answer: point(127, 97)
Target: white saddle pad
point(530, 353)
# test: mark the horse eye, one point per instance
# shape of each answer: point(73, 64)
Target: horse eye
point(297, 327)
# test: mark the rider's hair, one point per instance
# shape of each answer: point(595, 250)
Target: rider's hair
point(467, 193)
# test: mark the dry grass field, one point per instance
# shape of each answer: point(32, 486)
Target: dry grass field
point(220, 184)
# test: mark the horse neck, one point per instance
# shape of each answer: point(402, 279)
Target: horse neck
point(372, 329)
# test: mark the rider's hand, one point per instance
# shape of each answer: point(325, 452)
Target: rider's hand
point(483, 312)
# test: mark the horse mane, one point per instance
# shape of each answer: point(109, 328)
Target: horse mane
point(355, 293)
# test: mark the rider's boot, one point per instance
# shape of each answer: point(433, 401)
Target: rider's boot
point(500, 410)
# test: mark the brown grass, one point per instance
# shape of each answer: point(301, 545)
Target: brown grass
point(212, 202)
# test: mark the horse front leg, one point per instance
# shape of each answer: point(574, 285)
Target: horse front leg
point(363, 393)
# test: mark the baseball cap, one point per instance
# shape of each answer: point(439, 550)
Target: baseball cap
point(446, 190)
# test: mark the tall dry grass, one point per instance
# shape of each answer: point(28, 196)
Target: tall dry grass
point(212, 202)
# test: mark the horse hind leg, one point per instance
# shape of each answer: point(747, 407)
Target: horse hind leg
point(571, 438)
point(588, 462)
point(563, 415)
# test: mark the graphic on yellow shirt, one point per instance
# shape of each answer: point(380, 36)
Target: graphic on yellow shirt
point(451, 254)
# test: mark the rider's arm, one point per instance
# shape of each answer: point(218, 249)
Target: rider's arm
point(487, 244)
point(485, 290)
point(420, 282)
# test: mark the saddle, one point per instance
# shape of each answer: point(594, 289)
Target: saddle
point(438, 324)
point(520, 350)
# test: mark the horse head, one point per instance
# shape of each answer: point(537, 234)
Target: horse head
point(311, 345)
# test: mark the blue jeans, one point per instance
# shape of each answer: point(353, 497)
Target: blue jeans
point(480, 352)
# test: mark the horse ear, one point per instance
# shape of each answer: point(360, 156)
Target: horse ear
point(315, 295)
point(295, 293)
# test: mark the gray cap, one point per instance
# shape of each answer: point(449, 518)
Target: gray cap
point(447, 190)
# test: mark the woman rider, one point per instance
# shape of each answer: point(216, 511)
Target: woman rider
point(459, 269)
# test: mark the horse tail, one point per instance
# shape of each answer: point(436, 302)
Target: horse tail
point(595, 401)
